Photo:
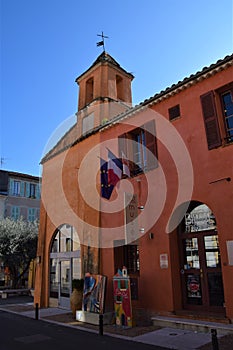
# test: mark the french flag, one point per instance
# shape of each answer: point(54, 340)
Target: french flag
point(114, 169)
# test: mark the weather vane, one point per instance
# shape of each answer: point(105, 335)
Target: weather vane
point(101, 43)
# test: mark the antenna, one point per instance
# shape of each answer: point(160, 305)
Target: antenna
point(2, 161)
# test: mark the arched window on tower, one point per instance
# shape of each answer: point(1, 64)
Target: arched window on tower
point(89, 90)
point(119, 88)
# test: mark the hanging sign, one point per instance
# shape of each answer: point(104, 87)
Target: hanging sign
point(131, 218)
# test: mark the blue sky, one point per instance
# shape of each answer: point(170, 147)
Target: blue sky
point(46, 44)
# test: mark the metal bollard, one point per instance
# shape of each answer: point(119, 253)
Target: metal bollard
point(101, 324)
point(37, 311)
point(214, 339)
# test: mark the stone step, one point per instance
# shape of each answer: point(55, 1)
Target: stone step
point(194, 325)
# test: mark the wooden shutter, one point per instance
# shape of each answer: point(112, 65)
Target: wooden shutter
point(22, 189)
point(210, 120)
point(27, 189)
point(11, 187)
point(37, 191)
point(151, 145)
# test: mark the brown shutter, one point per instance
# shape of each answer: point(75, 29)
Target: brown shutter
point(210, 120)
point(151, 145)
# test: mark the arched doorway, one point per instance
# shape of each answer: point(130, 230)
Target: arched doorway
point(200, 261)
point(65, 265)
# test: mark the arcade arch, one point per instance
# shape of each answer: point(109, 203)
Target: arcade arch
point(200, 260)
point(65, 265)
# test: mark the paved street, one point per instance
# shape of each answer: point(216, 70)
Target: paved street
point(22, 333)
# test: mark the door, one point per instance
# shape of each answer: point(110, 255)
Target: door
point(65, 264)
point(65, 284)
point(201, 275)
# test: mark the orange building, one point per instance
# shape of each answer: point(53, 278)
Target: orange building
point(168, 219)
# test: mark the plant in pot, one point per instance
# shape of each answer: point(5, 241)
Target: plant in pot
point(76, 297)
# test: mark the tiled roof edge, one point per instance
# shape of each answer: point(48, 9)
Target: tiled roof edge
point(131, 111)
point(162, 94)
point(104, 57)
point(191, 78)
point(15, 173)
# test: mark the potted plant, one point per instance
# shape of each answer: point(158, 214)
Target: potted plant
point(76, 297)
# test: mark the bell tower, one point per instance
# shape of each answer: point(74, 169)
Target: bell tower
point(104, 92)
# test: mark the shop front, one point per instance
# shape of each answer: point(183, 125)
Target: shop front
point(200, 262)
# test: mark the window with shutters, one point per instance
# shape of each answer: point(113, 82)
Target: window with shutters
point(140, 148)
point(15, 212)
point(217, 109)
point(32, 214)
point(16, 188)
point(32, 189)
point(227, 109)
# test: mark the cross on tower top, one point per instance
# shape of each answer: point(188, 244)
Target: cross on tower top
point(101, 43)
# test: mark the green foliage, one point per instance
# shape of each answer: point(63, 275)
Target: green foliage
point(104, 121)
point(18, 245)
point(78, 284)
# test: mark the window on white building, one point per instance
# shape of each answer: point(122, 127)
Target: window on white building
point(32, 214)
point(16, 188)
point(15, 212)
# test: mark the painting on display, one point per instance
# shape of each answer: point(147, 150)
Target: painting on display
point(94, 293)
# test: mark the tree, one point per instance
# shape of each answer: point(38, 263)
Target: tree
point(18, 245)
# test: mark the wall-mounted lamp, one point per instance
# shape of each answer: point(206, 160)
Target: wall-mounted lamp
point(141, 207)
point(151, 235)
point(142, 229)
